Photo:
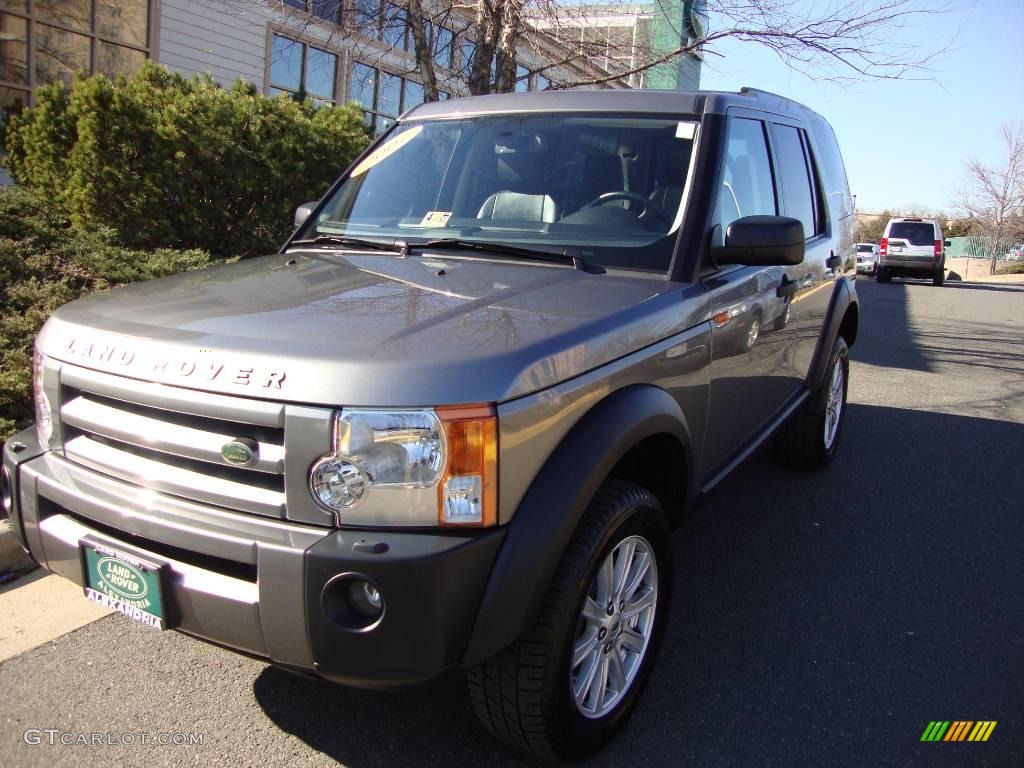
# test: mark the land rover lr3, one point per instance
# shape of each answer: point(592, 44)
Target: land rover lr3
point(451, 424)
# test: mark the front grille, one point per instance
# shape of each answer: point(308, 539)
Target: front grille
point(170, 439)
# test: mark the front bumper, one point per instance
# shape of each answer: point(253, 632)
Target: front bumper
point(256, 584)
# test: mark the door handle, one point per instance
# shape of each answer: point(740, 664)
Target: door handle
point(786, 288)
point(834, 262)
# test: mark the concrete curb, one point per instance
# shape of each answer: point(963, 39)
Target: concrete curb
point(12, 556)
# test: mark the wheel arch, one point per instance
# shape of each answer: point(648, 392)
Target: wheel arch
point(617, 437)
point(842, 319)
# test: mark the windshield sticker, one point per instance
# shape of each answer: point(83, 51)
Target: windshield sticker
point(385, 150)
point(436, 218)
point(685, 130)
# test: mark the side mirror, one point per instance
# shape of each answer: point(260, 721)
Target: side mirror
point(762, 241)
point(947, 243)
point(302, 213)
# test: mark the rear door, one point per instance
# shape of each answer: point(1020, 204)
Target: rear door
point(802, 198)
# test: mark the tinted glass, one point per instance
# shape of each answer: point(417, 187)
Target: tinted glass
point(389, 101)
point(413, 94)
point(866, 248)
point(797, 194)
point(525, 180)
point(443, 47)
point(747, 188)
point(126, 20)
point(286, 63)
point(363, 80)
point(917, 232)
point(13, 49)
point(326, 9)
point(113, 60)
point(60, 54)
point(321, 67)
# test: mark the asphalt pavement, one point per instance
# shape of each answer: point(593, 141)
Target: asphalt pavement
point(819, 619)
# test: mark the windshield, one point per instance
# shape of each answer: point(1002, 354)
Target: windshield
point(916, 233)
point(610, 187)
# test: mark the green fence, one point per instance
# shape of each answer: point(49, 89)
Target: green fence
point(970, 247)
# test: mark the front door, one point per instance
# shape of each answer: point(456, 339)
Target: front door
point(752, 314)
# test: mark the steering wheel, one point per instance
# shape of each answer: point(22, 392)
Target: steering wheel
point(649, 210)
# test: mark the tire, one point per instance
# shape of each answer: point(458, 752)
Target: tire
point(939, 277)
point(752, 335)
point(524, 695)
point(804, 441)
point(882, 275)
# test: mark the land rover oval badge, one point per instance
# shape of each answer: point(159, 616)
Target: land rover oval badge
point(242, 451)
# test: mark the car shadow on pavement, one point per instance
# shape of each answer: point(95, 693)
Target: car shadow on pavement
point(978, 286)
point(884, 314)
point(818, 619)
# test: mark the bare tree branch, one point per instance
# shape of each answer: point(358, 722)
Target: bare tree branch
point(993, 199)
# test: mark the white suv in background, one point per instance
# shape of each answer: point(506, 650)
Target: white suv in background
point(912, 247)
point(867, 258)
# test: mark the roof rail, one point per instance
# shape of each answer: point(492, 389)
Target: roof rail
point(746, 90)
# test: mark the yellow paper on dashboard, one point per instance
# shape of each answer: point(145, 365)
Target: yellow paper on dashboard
point(385, 150)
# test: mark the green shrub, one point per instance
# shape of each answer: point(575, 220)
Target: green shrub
point(182, 163)
point(1011, 268)
point(44, 263)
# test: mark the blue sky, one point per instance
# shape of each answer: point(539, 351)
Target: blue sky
point(904, 142)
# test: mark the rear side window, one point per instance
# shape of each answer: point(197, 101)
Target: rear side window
point(915, 232)
point(747, 188)
point(798, 189)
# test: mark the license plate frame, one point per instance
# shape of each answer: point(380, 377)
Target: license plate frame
point(108, 576)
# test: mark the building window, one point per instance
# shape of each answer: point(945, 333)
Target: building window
point(522, 79)
point(440, 39)
point(298, 68)
point(65, 37)
point(328, 10)
point(382, 95)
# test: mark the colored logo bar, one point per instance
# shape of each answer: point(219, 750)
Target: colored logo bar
point(958, 730)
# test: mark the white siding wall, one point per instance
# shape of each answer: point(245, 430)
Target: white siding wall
point(225, 39)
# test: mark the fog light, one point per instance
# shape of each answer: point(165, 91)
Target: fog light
point(353, 602)
point(365, 599)
point(337, 484)
point(7, 493)
point(462, 499)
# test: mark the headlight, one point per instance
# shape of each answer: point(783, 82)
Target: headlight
point(415, 467)
point(44, 420)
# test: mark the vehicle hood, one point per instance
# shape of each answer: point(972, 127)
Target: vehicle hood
point(369, 329)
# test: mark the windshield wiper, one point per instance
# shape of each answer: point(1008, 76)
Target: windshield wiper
point(350, 242)
point(569, 256)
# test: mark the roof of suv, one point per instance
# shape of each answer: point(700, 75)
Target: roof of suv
point(618, 100)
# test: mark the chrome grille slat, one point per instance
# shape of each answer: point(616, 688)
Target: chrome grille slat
point(169, 439)
point(99, 418)
point(161, 396)
point(174, 480)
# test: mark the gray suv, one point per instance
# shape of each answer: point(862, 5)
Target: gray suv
point(453, 422)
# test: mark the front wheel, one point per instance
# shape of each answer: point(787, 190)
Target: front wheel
point(567, 686)
point(810, 438)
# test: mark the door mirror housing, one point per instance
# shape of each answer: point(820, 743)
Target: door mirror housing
point(303, 211)
point(762, 241)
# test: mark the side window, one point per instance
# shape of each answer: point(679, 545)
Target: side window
point(747, 188)
point(798, 192)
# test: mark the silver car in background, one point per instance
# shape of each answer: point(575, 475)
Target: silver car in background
point(867, 258)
